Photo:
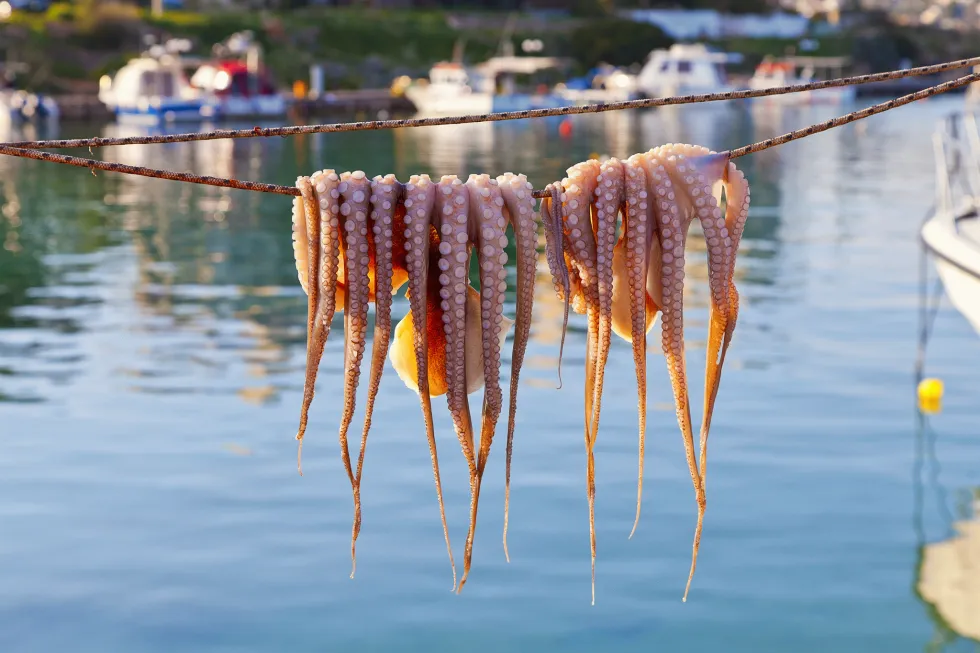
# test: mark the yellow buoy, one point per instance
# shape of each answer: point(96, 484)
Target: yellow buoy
point(930, 395)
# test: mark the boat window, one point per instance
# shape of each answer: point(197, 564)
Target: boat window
point(222, 80)
point(665, 66)
point(683, 66)
point(157, 82)
point(239, 84)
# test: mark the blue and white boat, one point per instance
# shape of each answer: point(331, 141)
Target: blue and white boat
point(154, 89)
point(453, 89)
point(19, 107)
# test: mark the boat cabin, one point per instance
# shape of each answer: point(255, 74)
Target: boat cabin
point(685, 68)
point(233, 78)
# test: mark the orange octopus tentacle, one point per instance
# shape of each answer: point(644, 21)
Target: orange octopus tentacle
point(737, 199)
point(636, 240)
point(419, 202)
point(608, 199)
point(487, 221)
point(579, 188)
point(383, 198)
point(516, 191)
point(553, 220)
point(451, 218)
point(355, 191)
point(666, 170)
point(318, 208)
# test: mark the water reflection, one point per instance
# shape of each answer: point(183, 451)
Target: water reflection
point(149, 317)
point(214, 265)
point(947, 572)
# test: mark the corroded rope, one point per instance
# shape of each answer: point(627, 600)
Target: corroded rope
point(258, 132)
point(109, 166)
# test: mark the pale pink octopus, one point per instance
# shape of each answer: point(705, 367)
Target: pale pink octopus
point(357, 241)
point(621, 287)
point(372, 237)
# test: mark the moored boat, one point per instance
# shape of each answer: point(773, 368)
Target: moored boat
point(952, 233)
point(154, 88)
point(790, 71)
point(602, 85)
point(236, 91)
point(685, 69)
point(237, 83)
point(453, 89)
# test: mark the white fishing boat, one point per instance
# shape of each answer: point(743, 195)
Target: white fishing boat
point(685, 69)
point(789, 71)
point(236, 82)
point(154, 88)
point(453, 89)
point(603, 85)
point(19, 106)
point(239, 90)
point(952, 233)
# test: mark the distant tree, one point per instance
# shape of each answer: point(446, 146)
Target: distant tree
point(616, 41)
point(592, 8)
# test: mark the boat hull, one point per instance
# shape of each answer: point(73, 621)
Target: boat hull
point(150, 116)
point(480, 103)
point(957, 260)
point(833, 95)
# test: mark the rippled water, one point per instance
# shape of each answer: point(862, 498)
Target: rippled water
point(151, 364)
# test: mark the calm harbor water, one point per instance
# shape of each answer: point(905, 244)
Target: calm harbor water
point(151, 365)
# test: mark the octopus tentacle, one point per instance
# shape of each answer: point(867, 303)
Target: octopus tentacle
point(636, 240)
point(383, 198)
point(305, 220)
point(608, 199)
point(318, 207)
point(355, 191)
point(579, 187)
point(301, 237)
point(516, 191)
point(552, 217)
point(737, 199)
point(419, 202)
point(689, 165)
point(488, 226)
point(452, 210)
point(666, 171)
point(451, 216)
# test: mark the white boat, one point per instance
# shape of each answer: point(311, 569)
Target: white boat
point(18, 107)
point(685, 69)
point(152, 89)
point(605, 85)
point(236, 82)
point(973, 91)
point(238, 90)
point(789, 71)
point(453, 89)
point(952, 233)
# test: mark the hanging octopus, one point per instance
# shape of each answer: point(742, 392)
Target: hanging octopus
point(615, 234)
point(362, 240)
point(622, 283)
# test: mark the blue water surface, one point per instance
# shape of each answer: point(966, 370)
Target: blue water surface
point(152, 340)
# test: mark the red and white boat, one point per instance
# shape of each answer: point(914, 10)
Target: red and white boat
point(239, 90)
point(790, 71)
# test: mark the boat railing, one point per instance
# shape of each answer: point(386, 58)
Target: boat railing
point(957, 150)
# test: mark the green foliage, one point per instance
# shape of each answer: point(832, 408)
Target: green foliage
point(106, 24)
point(60, 11)
point(591, 8)
point(615, 41)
